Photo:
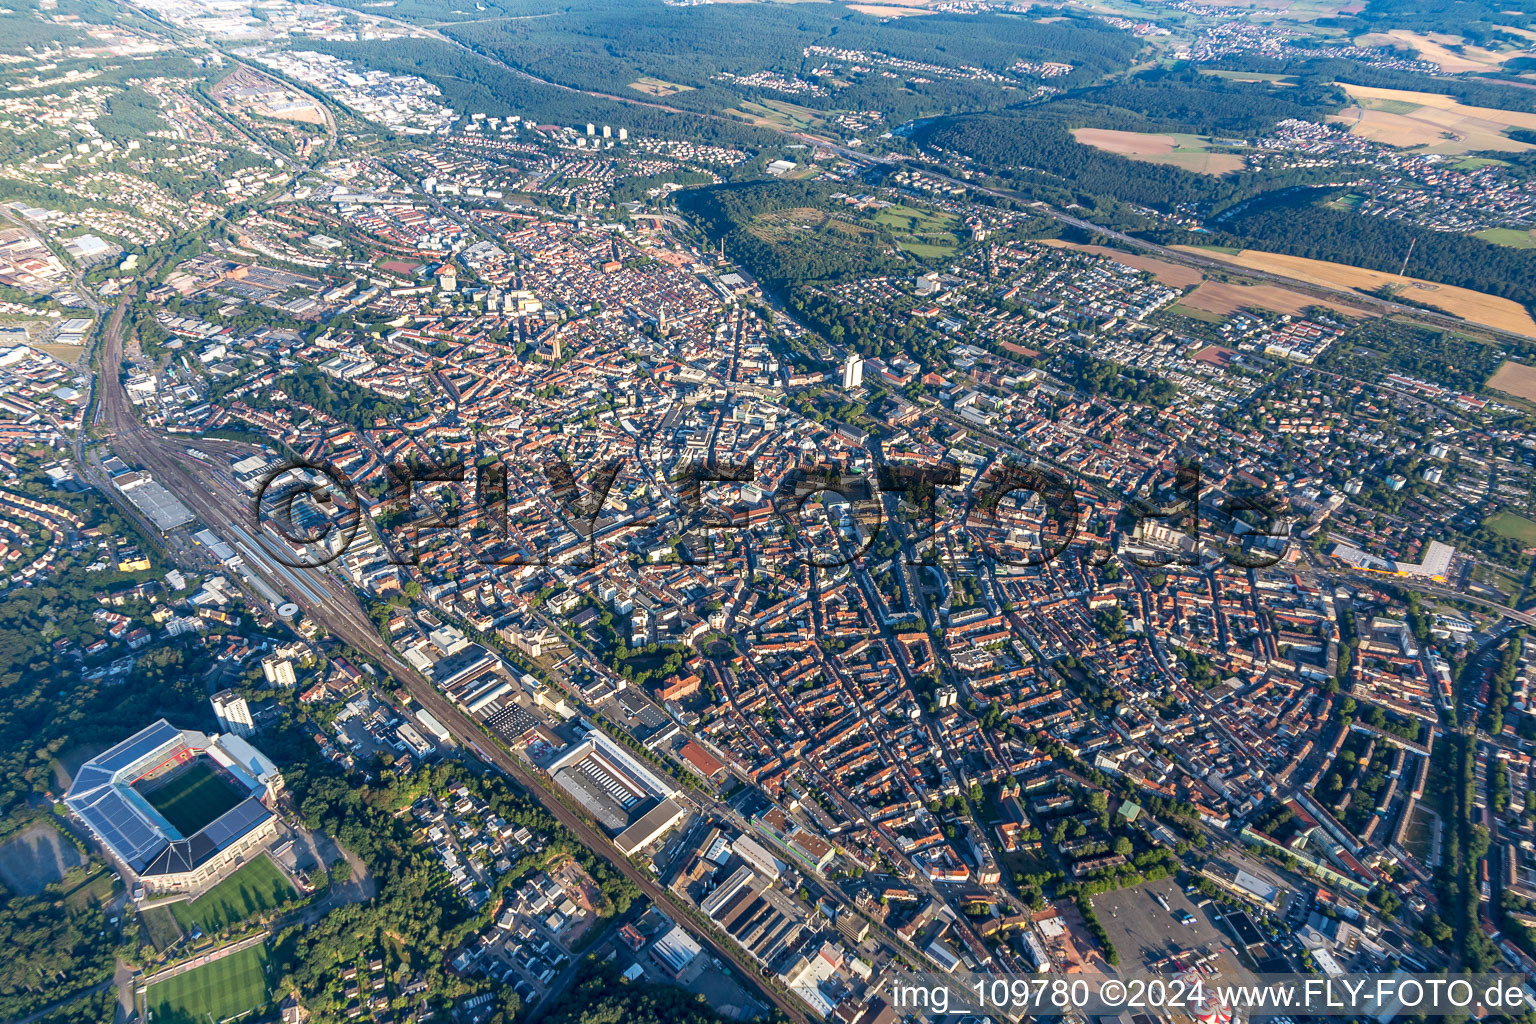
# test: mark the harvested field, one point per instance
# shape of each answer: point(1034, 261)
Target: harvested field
point(1190, 152)
point(885, 11)
point(1224, 297)
point(1436, 46)
point(1474, 307)
point(1430, 120)
point(1515, 379)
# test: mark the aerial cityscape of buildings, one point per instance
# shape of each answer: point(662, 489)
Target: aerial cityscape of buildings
point(475, 546)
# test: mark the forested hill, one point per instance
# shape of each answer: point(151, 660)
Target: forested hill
point(1473, 91)
point(618, 42)
point(470, 82)
point(734, 212)
point(608, 45)
point(1183, 99)
point(1477, 21)
point(1033, 145)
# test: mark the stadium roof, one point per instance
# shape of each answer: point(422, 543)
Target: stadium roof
point(102, 796)
point(186, 854)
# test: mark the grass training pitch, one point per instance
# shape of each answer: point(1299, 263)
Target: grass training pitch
point(234, 986)
point(1519, 528)
point(256, 887)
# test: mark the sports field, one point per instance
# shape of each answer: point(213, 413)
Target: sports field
point(194, 797)
point(234, 986)
point(1507, 524)
point(256, 887)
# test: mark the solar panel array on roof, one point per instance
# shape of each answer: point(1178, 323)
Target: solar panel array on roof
point(120, 824)
point(122, 819)
point(135, 748)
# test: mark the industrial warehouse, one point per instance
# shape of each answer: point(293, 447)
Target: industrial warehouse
point(626, 797)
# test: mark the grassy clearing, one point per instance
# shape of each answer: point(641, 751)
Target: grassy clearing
point(1192, 313)
point(1249, 76)
point(1349, 202)
point(1472, 163)
point(658, 87)
point(1507, 524)
point(779, 114)
point(912, 221)
point(926, 250)
point(1512, 237)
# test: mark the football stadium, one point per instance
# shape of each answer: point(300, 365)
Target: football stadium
point(175, 807)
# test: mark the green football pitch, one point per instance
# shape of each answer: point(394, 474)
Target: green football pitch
point(193, 798)
point(233, 987)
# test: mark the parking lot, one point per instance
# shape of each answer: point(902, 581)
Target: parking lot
point(1144, 933)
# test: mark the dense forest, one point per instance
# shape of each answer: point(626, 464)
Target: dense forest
point(49, 709)
point(472, 83)
point(614, 43)
point(1184, 99)
point(1477, 21)
point(619, 43)
point(1034, 146)
point(55, 947)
